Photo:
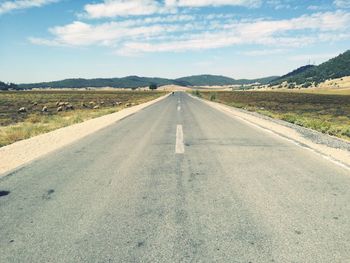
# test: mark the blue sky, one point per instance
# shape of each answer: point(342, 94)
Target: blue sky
point(43, 40)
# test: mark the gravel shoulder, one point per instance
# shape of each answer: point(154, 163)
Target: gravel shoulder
point(332, 148)
point(23, 152)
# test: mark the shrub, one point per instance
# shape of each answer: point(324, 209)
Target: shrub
point(289, 117)
point(34, 118)
point(307, 84)
point(196, 93)
point(153, 86)
point(346, 132)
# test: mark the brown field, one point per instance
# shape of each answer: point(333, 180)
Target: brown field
point(327, 91)
point(16, 126)
point(329, 114)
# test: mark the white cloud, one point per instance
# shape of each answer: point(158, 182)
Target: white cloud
point(280, 4)
point(44, 42)
point(123, 8)
point(342, 3)
point(201, 3)
point(177, 18)
point(191, 32)
point(9, 6)
point(209, 41)
point(318, 7)
point(328, 21)
point(107, 34)
point(324, 27)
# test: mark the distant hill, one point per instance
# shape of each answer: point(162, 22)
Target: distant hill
point(126, 82)
point(334, 68)
point(297, 71)
point(135, 81)
point(207, 80)
point(216, 80)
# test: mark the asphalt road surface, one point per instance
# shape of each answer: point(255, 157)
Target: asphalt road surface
point(177, 182)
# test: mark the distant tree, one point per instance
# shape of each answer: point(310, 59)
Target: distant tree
point(4, 86)
point(13, 86)
point(307, 84)
point(213, 97)
point(291, 86)
point(334, 68)
point(153, 86)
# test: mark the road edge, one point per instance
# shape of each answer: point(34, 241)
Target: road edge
point(21, 153)
point(341, 157)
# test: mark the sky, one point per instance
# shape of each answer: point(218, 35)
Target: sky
point(45, 40)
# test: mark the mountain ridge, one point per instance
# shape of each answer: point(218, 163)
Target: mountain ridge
point(333, 68)
point(136, 81)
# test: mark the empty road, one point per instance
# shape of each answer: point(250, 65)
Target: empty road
point(177, 182)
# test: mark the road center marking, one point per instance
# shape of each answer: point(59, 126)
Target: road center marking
point(178, 108)
point(179, 148)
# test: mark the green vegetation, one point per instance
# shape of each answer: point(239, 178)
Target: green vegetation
point(153, 86)
point(196, 93)
point(9, 86)
point(127, 82)
point(307, 76)
point(213, 80)
point(334, 68)
point(207, 80)
point(135, 82)
point(296, 72)
point(329, 114)
point(212, 97)
point(41, 113)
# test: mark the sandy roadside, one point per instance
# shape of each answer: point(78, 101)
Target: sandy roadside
point(22, 152)
point(330, 151)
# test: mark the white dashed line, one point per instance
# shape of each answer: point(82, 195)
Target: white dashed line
point(179, 148)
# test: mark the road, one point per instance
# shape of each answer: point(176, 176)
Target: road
point(177, 182)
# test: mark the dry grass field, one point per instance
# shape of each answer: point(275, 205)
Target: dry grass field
point(339, 86)
point(324, 91)
point(329, 114)
point(44, 111)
